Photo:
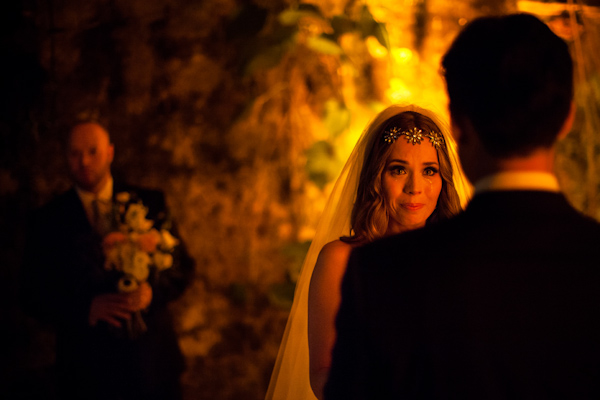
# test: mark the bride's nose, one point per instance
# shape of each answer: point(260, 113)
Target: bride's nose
point(414, 184)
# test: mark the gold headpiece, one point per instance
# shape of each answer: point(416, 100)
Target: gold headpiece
point(414, 136)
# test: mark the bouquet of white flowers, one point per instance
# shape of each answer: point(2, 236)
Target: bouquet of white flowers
point(134, 248)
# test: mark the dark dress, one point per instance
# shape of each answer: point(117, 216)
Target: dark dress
point(501, 302)
point(64, 270)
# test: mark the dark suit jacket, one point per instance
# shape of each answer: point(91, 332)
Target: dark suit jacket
point(63, 271)
point(501, 302)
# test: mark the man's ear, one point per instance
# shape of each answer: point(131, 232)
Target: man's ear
point(111, 152)
point(568, 124)
point(461, 130)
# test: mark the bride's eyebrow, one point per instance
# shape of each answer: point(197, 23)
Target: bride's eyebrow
point(404, 162)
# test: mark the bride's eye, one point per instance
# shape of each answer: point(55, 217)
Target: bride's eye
point(430, 171)
point(397, 170)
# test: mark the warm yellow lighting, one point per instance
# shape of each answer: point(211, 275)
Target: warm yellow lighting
point(361, 116)
point(398, 90)
point(436, 23)
point(402, 55)
point(462, 21)
point(375, 48)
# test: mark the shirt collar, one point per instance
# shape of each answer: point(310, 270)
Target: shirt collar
point(518, 180)
point(104, 194)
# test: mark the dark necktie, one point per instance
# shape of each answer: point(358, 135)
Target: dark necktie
point(101, 214)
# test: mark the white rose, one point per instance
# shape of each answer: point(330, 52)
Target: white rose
point(146, 225)
point(139, 266)
point(162, 260)
point(167, 241)
point(135, 217)
point(126, 254)
point(122, 197)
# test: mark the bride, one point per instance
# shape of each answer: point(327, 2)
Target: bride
point(402, 174)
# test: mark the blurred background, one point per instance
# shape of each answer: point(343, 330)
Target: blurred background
point(243, 112)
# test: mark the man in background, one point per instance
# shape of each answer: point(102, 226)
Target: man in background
point(502, 301)
point(114, 337)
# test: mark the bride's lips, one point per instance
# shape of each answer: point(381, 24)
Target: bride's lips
point(413, 206)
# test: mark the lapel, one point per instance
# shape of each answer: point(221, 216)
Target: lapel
point(78, 243)
point(74, 213)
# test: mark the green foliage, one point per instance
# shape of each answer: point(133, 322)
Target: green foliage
point(268, 50)
point(323, 45)
point(293, 16)
point(367, 26)
point(238, 293)
point(336, 118)
point(282, 294)
point(295, 253)
point(267, 58)
point(321, 164)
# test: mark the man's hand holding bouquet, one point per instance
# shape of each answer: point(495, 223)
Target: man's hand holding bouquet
point(135, 249)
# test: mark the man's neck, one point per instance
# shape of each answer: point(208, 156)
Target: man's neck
point(541, 160)
point(101, 188)
point(535, 171)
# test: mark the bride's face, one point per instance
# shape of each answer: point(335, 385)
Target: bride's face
point(412, 184)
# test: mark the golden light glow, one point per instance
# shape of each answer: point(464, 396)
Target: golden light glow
point(402, 73)
point(398, 91)
point(402, 55)
point(375, 48)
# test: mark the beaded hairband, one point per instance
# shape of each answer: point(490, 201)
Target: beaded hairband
point(414, 136)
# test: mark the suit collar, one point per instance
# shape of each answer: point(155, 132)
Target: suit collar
point(106, 193)
point(518, 180)
point(511, 202)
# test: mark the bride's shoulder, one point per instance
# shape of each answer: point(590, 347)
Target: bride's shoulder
point(336, 248)
point(334, 255)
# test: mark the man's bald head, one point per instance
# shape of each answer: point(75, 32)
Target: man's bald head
point(89, 155)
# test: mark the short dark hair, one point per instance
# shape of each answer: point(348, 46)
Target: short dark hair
point(511, 77)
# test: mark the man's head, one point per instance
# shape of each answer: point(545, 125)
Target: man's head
point(89, 155)
point(510, 80)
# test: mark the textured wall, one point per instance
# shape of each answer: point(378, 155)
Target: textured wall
point(236, 115)
point(225, 141)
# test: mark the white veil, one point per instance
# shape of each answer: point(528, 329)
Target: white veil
point(290, 377)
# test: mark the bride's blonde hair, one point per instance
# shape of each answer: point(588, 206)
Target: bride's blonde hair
point(370, 213)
